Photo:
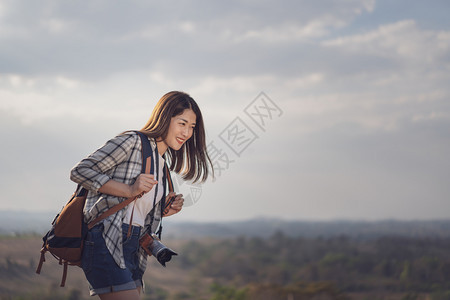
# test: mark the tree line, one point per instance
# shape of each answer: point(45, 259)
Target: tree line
point(290, 267)
point(389, 264)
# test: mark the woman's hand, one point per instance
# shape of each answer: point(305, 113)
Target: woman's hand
point(143, 184)
point(176, 205)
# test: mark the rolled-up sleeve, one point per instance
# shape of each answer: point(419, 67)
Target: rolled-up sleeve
point(96, 169)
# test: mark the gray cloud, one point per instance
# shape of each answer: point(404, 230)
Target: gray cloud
point(363, 87)
point(100, 38)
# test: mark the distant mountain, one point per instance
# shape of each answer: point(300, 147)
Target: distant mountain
point(311, 229)
point(14, 222)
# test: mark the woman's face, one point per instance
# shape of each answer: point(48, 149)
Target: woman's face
point(181, 129)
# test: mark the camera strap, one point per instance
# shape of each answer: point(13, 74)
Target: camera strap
point(151, 160)
point(157, 175)
point(166, 178)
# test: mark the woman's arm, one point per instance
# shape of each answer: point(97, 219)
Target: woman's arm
point(92, 171)
point(143, 184)
point(95, 170)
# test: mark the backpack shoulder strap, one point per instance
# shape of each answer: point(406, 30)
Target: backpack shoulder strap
point(147, 167)
point(147, 154)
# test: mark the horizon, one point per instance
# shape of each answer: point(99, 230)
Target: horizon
point(169, 220)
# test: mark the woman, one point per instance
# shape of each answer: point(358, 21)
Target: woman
point(112, 260)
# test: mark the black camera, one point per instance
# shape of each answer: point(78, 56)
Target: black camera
point(153, 246)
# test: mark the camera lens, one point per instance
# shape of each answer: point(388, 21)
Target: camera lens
point(164, 256)
point(161, 252)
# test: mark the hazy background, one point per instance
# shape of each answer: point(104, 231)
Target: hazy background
point(363, 87)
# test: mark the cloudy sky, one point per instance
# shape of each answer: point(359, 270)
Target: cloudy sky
point(354, 96)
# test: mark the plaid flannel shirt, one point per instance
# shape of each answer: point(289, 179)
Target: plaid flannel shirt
point(119, 159)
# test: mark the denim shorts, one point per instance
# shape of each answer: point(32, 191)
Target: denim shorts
point(100, 268)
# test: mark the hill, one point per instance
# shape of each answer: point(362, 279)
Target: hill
point(16, 223)
point(249, 259)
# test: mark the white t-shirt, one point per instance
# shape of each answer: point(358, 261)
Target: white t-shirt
point(142, 206)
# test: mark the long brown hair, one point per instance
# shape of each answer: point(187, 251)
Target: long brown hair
point(192, 160)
